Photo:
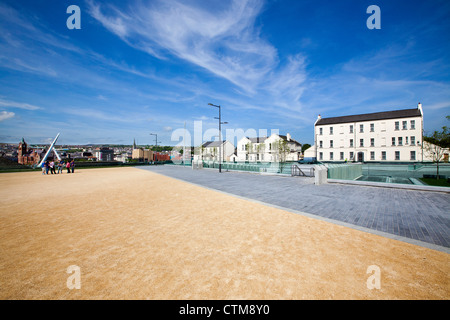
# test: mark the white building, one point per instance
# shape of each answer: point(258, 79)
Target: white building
point(210, 151)
point(382, 136)
point(276, 148)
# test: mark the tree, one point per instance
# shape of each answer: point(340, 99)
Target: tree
point(306, 146)
point(436, 145)
point(248, 148)
point(281, 149)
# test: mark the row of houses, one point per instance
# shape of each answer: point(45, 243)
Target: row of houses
point(275, 148)
point(390, 136)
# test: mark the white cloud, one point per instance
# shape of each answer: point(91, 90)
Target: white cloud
point(4, 115)
point(224, 42)
point(20, 105)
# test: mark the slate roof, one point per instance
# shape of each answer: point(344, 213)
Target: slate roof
point(406, 113)
point(210, 144)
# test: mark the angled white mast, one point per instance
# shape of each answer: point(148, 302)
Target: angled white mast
point(52, 147)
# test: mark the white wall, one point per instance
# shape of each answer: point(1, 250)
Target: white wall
point(336, 138)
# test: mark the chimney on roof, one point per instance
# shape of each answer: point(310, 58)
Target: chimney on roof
point(288, 136)
point(419, 106)
point(319, 117)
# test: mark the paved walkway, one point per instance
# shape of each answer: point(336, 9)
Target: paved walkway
point(403, 214)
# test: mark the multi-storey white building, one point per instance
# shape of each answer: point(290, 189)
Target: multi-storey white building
point(276, 148)
point(381, 136)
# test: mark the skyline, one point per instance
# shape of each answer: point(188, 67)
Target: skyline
point(144, 67)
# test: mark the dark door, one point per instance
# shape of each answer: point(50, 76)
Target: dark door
point(360, 156)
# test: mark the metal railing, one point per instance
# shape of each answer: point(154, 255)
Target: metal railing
point(302, 171)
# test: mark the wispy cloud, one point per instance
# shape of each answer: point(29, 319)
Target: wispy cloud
point(223, 41)
point(20, 105)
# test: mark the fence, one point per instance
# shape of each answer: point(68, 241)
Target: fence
point(284, 168)
point(403, 171)
point(344, 171)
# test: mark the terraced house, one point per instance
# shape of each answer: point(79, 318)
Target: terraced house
point(275, 148)
point(391, 136)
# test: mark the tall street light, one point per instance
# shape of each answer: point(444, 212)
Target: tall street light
point(156, 142)
point(220, 135)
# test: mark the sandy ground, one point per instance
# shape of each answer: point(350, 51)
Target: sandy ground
point(135, 234)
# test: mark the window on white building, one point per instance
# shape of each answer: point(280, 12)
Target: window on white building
point(331, 143)
point(331, 156)
point(320, 131)
point(372, 127)
point(393, 141)
point(400, 141)
point(342, 156)
point(397, 125)
point(413, 140)
point(397, 155)
point(320, 144)
point(383, 155)
point(372, 142)
point(404, 125)
point(320, 156)
point(351, 143)
point(331, 130)
point(351, 128)
point(351, 155)
point(406, 140)
point(361, 128)
point(413, 124)
point(361, 142)
point(413, 155)
point(372, 155)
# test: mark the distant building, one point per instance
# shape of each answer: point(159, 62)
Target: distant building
point(104, 154)
point(123, 157)
point(28, 156)
point(142, 154)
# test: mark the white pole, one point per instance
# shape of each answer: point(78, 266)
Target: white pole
point(184, 143)
point(49, 150)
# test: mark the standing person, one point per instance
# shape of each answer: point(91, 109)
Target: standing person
point(52, 167)
point(43, 167)
point(47, 166)
point(60, 166)
point(68, 166)
point(72, 165)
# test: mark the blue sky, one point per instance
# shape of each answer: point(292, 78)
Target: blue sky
point(140, 67)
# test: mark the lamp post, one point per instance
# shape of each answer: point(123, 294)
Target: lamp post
point(156, 142)
point(220, 135)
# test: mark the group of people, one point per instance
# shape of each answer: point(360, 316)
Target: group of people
point(52, 166)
